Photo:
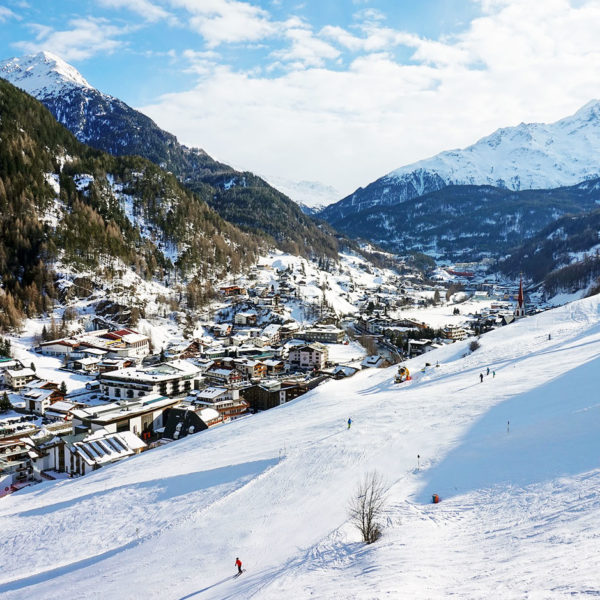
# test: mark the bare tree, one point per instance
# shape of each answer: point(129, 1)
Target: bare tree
point(366, 506)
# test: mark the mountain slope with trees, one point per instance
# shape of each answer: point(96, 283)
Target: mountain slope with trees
point(468, 222)
point(63, 202)
point(108, 124)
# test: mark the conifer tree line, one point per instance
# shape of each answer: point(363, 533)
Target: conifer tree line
point(92, 228)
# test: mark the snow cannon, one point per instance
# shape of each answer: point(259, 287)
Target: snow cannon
point(435, 499)
point(402, 375)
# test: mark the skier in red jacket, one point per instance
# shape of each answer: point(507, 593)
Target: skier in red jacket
point(238, 564)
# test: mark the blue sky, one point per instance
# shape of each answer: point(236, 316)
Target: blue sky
point(338, 91)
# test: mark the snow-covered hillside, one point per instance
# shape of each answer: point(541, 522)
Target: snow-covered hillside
point(528, 156)
point(514, 459)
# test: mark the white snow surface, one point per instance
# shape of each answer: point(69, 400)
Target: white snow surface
point(528, 156)
point(518, 516)
point(41, 75)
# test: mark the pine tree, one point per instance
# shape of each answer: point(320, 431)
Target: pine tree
point(5, 404)
point(63, 388)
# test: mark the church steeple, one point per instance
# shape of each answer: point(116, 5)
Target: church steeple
point(520, 309)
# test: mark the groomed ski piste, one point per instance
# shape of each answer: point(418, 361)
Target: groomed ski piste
point(518, 516)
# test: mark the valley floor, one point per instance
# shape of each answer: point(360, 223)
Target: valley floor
point(515, 460)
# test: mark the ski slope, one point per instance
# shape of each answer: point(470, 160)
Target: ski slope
point(518, 516)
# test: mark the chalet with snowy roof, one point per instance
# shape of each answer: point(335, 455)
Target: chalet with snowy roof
point(87, 365)
point(222, 329)
point(18, 378)
point(233, 290)
point(189, 419)
point(374, 361)
point(308, 357)
point(455, 332)
point(112, 364)
point(327, 334)
point(223, 377)
point(142, 416)
point(16, 466)
point(62, 410)
point(226, 401)
point(271, 333)
point(251, 369)
point(81, 453)
point(61, 348)
point(39, 399)
point(274, 366)
point(245, 318)
point(168, 379)
point(418, 347)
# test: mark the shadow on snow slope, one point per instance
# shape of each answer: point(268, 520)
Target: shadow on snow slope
point(165, 488)
point(553, 432)
point(170, 487)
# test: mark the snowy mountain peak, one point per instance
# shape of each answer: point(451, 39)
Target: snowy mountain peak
point(41, 75)
point(588, 111)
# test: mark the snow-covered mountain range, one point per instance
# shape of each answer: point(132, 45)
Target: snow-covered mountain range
point(528, 156)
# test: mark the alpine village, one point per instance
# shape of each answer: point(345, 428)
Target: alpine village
point(387, 394)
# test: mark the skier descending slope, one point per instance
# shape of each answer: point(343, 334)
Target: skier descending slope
point(349, 422)
point(238, 564)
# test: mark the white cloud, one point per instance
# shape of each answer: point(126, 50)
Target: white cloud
point(306, 50)
point(523, 60)
point(150, 11)
point(227, 21)
point(6, 14)
point(85, 38)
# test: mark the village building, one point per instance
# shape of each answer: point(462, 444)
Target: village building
point(18, 378)
point(251, 369)
point(226, 401)
point(308, 357)
point(223, 376)
point(167, 379)
point(233, 290)
point(245, 318)
point(189, 419)
point(62, 410)
point(271, 333)
point(39, 396)
point(326, 334)
point(142, 417)
point(81, 453)
point(455, 332)
point(374, 361)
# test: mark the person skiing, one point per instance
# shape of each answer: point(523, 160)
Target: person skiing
point(238, 564)
point(488, 371)
point(480, 377)
point(493, 374)
point(349, 422)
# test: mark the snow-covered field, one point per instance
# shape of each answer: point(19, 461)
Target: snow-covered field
point(515, 460)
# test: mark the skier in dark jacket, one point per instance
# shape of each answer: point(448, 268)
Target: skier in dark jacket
point(480, 377)
point(238, 564)
point(349, 422)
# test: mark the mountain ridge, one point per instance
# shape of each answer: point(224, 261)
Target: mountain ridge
point(110, 125)
point(527, 156)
